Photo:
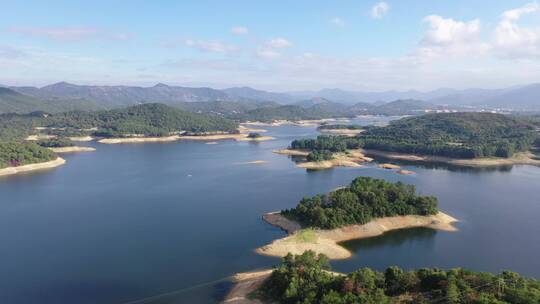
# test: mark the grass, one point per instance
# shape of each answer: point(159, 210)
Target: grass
point(305, 236)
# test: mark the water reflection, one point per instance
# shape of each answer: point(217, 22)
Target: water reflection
point(395, 238)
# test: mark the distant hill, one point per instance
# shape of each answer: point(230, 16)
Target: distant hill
point(150, 119)
point(225, 108)
point(15, 102)
point(523, 98)
point(63, 95)
point(403, 107)
point(248, 93)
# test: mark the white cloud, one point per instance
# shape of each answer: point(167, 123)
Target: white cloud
point(240, 30)
point(69, 34)
point(447, 36)
point(515, 14)
point(267, 54)
point(379, 10)
point(337, 22)
point(514, 41)
point(213, 46)
point(278, 43)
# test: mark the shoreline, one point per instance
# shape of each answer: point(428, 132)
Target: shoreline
point(351, 159)
point(244, 284)
point(343, 132)
point(72, 149)
point(521, 158)
point(327, 241)
point(237, 137)
point(298, 123)
point(32, 167)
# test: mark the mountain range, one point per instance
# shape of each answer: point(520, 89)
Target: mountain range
point(64, 96)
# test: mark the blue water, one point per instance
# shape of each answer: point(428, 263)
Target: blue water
point(133, 221)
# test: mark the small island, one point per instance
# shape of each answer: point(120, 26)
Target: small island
point(307, 278)
point(366, 208)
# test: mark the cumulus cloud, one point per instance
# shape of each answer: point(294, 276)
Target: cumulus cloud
point(212, 46)
point(69, 34)
point(278, 43)
point(240, 30)
point(337, 22)
point(447, 36)
point(379, 10)
point(513, 40)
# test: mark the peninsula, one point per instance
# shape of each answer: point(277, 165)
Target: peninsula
point(307, 278)
point(463, 139)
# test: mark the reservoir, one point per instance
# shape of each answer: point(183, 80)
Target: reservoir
point(134, 221)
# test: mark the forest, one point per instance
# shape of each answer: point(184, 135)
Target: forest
point(14, 154)
point(146, 119)
point(454, 135)
point(364, 199)
point(306, 279)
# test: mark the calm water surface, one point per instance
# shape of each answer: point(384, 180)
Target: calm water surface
point(133, 221)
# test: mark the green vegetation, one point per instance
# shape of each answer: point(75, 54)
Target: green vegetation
point(55, 143)
point(364, 199)
point(305, 279)
point(254, 135)
point(289, 112)
point(455, 135)
point(319, 155)
point(340, 127)
point(146, 119)
point(14, 154)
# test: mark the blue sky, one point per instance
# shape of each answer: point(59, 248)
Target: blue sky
point(275, 45)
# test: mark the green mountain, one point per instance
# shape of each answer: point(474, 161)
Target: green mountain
point(147, 119)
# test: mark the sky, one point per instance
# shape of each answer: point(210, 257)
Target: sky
point(292, 45)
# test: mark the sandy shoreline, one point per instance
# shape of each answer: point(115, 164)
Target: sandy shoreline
point(237, 137)
point(352, 158)
point(32, 167)
point(246, 283)
point(522, 158)
point(327, 241)
point(344, 132)
point(81, 138)
point(298, 123)
point(72, 149)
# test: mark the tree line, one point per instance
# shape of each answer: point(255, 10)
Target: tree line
point(363, 200)
point(306, 279)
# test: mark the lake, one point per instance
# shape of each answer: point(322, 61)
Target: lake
point(134, 221)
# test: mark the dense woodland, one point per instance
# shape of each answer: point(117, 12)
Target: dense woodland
point(305, 279)
point(364, 199)
point(456, 135)
point(14, 154)
point(146, 119)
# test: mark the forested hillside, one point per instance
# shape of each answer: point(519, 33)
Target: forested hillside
point(306, 279)
point(145, 119)
point(457, 135)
